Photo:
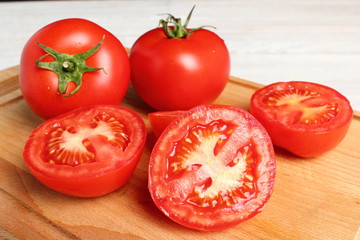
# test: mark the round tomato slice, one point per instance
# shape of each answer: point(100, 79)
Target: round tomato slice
point(305, 118)
point(87, 152)
point(212, 168)
point(161, 119)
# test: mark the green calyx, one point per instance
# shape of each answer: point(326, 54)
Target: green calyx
point(69, 68)
point(177, 30)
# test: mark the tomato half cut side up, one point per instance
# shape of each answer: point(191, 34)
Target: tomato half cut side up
point(305, 118)
point(161, 119)
point(212, 168)
point(88, 152)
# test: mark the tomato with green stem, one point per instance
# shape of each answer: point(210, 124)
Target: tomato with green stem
point(177, 68)
point(72, 63)
point(305, 118)
point(87, 152)
point(212, 168)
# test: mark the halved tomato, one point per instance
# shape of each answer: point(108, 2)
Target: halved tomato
point(212, 168)
point(161, 119)
point(87, 152)
point(305, 118)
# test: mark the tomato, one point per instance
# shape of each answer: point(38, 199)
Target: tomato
point(75, 63)
point(212, 168)
point(160, 120)
point(305, 118)
point(87, 152)
point(178, 73)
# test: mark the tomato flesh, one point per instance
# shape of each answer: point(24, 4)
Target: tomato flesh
point(305, 118)
point(161, 119)
point(302, 107)
point(87, 152)
point(67, 146)
point(212, 168)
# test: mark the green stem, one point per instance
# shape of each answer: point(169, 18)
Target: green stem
point(178, 30)
point(69, 68)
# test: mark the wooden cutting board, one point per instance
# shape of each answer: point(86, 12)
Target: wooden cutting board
point(317, 198)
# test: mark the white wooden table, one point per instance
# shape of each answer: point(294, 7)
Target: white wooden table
point(269, 40)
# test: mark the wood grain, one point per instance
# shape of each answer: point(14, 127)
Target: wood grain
point(316, 198)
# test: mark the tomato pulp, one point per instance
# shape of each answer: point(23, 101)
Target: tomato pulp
point(106, 83)
point(212, 168)
point(160, 120)
point(305, 118)
point(87, 152)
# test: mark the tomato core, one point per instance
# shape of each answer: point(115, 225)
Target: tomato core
point(68, 146)
point(192, 153)
point(307, 107)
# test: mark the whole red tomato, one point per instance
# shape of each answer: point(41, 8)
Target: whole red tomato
point(175, 68)
point(72, 63)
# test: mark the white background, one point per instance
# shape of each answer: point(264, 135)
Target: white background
point(268, 40)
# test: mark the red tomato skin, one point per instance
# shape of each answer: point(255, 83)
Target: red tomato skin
point(266, 171)
point(91, 179)
point(178, 74)
point(96, 186)
point(304, 144)
point(160, 120)
point(72, 36)
point(307, 142)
